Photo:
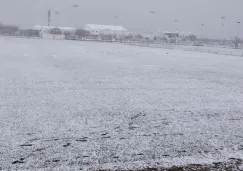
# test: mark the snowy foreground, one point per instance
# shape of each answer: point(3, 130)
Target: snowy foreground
point(81, 105)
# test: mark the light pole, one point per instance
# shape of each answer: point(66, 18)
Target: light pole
point(238, 23)
point(116, 23)
point(202, 29)
point(202, 32)
point(50, 16)
point(152, 13)
point(75, 9)
point(222, 25)
point(116, 18)
point(176, 26)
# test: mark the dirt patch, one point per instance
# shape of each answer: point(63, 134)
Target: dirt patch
point(232, 165)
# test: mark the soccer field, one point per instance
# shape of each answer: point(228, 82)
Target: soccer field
point(82, 105)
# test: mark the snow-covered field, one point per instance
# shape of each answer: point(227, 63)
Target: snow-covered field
point(67, 104)
point(202, 49)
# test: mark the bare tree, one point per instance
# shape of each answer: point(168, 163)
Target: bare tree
point(68, 34)
point(129, 37)
point(23, 32)
point(8, 29)
point(55, 31)
point(191, 37)
point(81, 33)
point(114, 36)
point(102, 36)
point(164, 39)
point(109, 36)
point(139, 37)
point(236, 42)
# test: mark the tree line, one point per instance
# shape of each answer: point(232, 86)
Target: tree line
point(13, 30)
point(82, 33)
point(9, 30)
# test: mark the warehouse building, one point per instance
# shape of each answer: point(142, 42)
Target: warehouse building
point(96, 29)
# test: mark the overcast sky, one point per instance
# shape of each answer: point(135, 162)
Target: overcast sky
point(132, 14)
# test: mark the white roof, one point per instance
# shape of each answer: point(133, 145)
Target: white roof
point(170, 32)
point(51, 27)
point(104, 27)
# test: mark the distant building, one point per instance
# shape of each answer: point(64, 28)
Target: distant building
point(96, 29)
point(47, 29)
point(32, 33)
point(171, 35)
point(44, 32)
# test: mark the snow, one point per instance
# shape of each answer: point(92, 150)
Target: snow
point(104, 27)
point(202, 49)
point(67, 104)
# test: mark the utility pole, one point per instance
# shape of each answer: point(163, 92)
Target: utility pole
point(176, 26)
point(202, 30)
point(222, 25)
point(116, 19)
point(116, 24)
point(239, 29)
point(49, 17)
point(152, 13)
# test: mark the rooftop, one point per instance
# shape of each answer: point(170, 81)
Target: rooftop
point(51, 27)
point(104, 27)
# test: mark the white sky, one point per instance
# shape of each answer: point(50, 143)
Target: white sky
point(132, 14)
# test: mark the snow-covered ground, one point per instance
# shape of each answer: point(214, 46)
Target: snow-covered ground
point(67, 104)
point(202, 49)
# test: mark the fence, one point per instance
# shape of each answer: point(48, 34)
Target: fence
point(203, 49)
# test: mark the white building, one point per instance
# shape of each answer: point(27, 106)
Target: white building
point(44, 32)
point(96, 29)
point(47, 29)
